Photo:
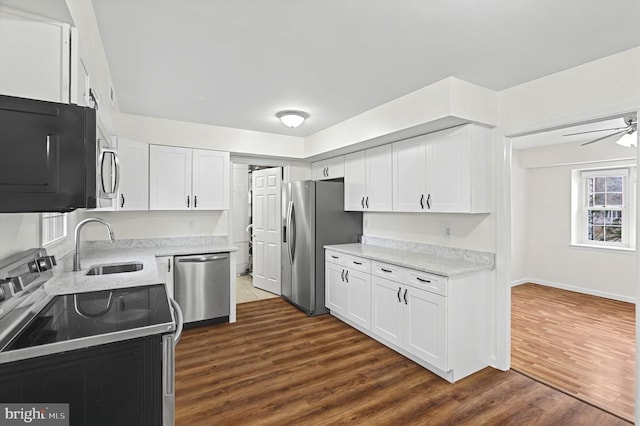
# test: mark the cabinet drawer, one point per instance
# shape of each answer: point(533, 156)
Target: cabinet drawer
point(358, 263)
point(335, 257)
point(387, 270)
point(430, 282)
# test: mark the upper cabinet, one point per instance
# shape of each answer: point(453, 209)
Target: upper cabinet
point(367, 180)
point(38, 57)
point(330, 168)
point(446, 171)
point(133, 193)
point(188, 179)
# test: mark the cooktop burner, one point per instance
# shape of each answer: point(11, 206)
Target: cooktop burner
point(75, 316)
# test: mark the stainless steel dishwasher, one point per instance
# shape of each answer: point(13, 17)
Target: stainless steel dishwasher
point(201, 287)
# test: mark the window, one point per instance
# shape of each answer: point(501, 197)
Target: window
point(605, 215)
point(54, 227)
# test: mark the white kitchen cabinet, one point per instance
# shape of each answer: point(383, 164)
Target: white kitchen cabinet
point(368, 179)
point(188, 179)
point(442, 323)
point(335, 288)
point(133, 193)
point(446, 171)
point(37, 57)
point(330, 168)
point(165, 272)
point(210, 180)
point(348, 287)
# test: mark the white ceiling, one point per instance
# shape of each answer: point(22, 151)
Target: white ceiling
point(235, 63)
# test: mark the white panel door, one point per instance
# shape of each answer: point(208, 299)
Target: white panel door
point(358, 297)
point(409, 163)
point(379, 174)
point(266, 196)
point(354, 181)
point(133, 193)
point(335, 288)
point(387, 310)
point(425, 326)
point(169, 178)
point(210, 180)
point(448, 171)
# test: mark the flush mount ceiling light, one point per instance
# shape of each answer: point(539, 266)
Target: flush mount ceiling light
point(292, 118)
point(629, 139)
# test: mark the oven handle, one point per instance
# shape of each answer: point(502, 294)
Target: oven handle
point(179, 320)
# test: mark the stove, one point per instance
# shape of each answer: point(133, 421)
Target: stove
point(33, 323)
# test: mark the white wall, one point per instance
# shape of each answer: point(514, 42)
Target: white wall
point(585, 90)
point(240, 215)
point(180, 133)
point(541, 237)
point(156, 224)
point(444, 99)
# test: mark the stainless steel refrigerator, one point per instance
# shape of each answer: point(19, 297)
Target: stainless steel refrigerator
point(312, 216)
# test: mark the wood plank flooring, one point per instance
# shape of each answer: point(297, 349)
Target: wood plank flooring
point(581, 344)
point(277, 366)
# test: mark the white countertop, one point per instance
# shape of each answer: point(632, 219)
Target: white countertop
point(439, 265)
point(65, 281)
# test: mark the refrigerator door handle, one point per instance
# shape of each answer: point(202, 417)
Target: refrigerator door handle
point(292, 230)
point(288, 231)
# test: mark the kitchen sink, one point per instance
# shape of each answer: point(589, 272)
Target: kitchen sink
point(114, 268)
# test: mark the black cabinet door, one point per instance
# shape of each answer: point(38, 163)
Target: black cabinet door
point(114, 384)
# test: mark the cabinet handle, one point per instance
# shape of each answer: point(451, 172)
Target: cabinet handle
point(335, 257)
point(168, 265)
point(422, 201)
point(327, 171)
point(188, 201)
point(195, 201)
point(386, 270)
point(342, 275)
point(357, 263)
point(121, 200)
point(367, 201)
point(346, 275)
point(423, 280)
point(399, 290)
point(362, 201)
point(405, 296)
point(429, 201)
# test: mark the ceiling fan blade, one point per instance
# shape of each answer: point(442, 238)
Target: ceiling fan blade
point(594, 131)
point(604, 137)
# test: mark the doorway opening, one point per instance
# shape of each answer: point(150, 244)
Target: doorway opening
point(250, 264)
point(573, 280)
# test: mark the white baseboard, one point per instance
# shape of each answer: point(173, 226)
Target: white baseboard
point(576, 289)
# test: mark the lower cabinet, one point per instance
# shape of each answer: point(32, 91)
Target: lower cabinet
point(348, 290)
point(165, 272)
point(114, 384)
point(439, 322)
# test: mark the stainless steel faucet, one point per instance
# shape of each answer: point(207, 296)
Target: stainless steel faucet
point(76, 255)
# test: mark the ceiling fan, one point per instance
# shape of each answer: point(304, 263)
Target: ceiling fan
point(630, 128)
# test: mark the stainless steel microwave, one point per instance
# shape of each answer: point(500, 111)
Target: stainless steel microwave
point(47, 156)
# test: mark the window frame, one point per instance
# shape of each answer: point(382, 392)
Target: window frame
point(50, 234)
point(580, 222)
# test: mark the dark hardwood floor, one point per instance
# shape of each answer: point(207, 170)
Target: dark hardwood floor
point(581, 344)
point(276, 366)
